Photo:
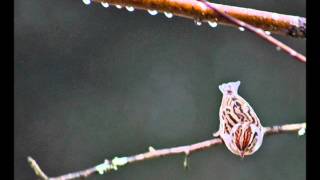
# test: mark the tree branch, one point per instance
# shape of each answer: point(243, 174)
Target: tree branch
point(259, 32)
point(115, 163)
point(293, 26)
point(262, 23)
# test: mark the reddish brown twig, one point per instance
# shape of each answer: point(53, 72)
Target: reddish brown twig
point(259, 32)
point(115, 163)
point(281, 24)
point(253, 20)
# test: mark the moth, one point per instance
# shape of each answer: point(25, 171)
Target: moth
point(240, 127)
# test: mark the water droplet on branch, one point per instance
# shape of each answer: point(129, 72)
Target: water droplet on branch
point(241, 28)
point(268, 32)
point(130, 8)
point(168, 14)
point(302, 131)
point(105, 4)
point(86, 2)
point(212, 24)
point(118, 6)
point(152, 12)
point(197, 22)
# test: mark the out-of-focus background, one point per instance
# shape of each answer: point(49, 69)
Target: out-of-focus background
point(93, 83)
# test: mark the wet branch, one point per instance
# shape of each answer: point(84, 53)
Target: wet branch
point(116, 162)
point(259, 22)
point(288, 25)
point(259, 32)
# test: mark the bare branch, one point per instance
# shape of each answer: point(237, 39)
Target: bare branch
point(116, 162)
point(281, 24)
point(37, 169)
point(259, 32)
point(258, 22)
point(286, 129)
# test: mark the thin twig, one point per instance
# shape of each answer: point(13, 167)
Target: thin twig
point(37, 169)
point(259, 32)
point(115, 163)
point(286, 129)
point(293, 26)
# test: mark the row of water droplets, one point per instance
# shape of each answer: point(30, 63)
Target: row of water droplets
point(130, 8)
point(151, 12)
point(212, 24)
point(241, 28)
point(198, 22)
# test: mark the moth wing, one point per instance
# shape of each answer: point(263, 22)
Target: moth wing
point(251, 116)
point(221, 127)
point(227, 120)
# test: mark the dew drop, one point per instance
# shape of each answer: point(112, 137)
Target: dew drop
point(130, 8)
point(168, 14)
point(197, 22)
point(212, 24)
point(268, 32)
point(278, 48)
point(86, 2)
point(302, 131)
point(241, 28)
point(105, 4)
point(118, 6)
point(152, 12)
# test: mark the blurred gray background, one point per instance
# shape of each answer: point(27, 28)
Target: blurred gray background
point(94, 83)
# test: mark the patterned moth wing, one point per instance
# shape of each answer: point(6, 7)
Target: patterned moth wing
point(240, 127)
point(234, 109)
